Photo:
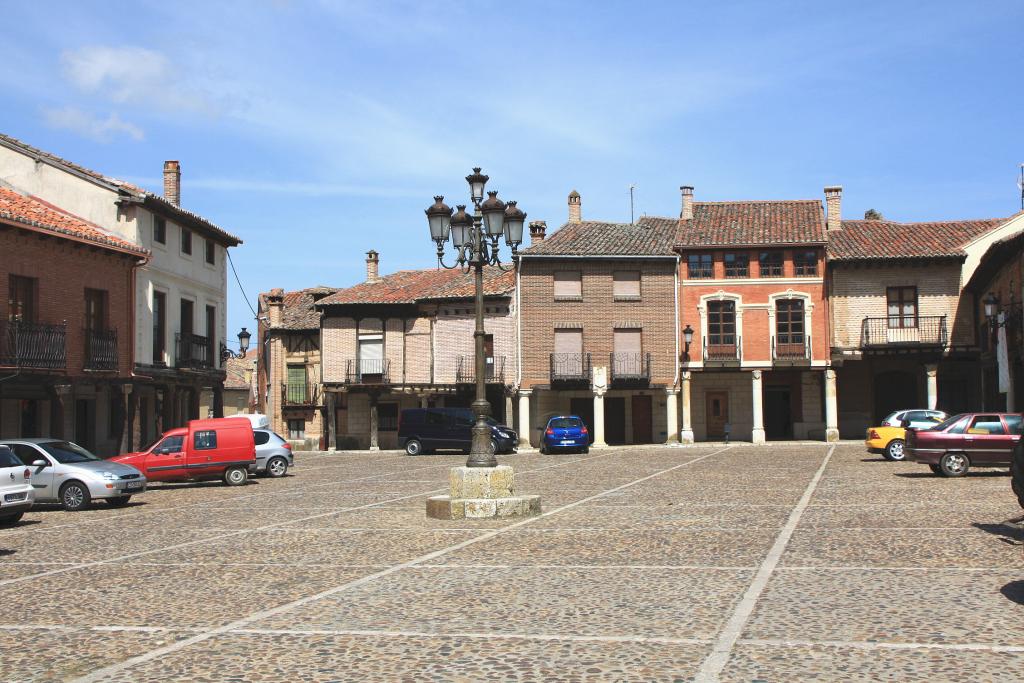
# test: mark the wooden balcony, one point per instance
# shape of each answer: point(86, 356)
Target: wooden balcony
point(904, 332)
point(33, 346)
point(298, 394)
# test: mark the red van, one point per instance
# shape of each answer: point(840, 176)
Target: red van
point(219, 448)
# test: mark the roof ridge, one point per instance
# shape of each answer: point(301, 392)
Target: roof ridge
point(762, 201)
point(913, 223)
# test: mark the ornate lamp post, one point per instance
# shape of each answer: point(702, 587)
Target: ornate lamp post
point(227, 354)
point(475, 240)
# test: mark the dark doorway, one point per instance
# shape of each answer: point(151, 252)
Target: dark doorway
point(895, 391)
point(642, 419)
point(716, 406)
point(85, 424)
point(584, 408)
point(615, 420)
point(30, 419)
point(778, 419)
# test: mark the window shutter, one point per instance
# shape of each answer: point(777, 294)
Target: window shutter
point(627, 283)
point(568, 341)
point(628, 341)
point(568, 284)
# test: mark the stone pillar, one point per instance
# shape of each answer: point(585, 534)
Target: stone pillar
point(424, 401)
point(330, 419)
point(757, 433)
point(218, 399)
point(686, 434)
point(509, 408)
point(831, 412)
point(672, 416)
point(524, 417)
point(374, 444)
point(193, 404)
point(599, 420)
point(58, 406)
point(931, 371)
point(127, 443)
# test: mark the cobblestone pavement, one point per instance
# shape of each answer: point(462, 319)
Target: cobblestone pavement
point(782, 563)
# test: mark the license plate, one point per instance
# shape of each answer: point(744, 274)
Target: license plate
point(133, 485)
point(568, 442)
point(11, 497)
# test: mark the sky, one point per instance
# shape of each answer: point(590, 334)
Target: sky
point(316, 130)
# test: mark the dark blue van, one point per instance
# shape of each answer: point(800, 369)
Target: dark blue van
point(425, 430)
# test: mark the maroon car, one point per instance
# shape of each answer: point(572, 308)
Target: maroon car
point(964, 441)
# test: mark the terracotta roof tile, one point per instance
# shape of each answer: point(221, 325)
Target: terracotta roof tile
point(863, 240)
point(650, 236)
point(298, 312)
point(236, 369)
point(34, 213)
point(724, 224)
point(411, 286)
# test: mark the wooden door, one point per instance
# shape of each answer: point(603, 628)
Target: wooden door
point(642, 419)
point(716, 413)
point(615, 420)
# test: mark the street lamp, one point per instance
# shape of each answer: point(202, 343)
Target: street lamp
point(991, 306)
point(227, 354)
point(475, 240)
point(687, 339)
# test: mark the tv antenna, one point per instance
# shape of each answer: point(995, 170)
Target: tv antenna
point(632, 187)
point(1020, 186)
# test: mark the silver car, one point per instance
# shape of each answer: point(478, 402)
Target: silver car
point(273, 453)
point(64, 472)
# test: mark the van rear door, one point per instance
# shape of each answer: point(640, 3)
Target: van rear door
point(202, 452)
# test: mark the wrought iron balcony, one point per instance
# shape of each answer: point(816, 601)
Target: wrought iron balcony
point(570, 367)
point(300, 394)
point(790, 353)
point(101, 350)
point(193, 351)
point(629, 367)
point(723, 353)
point(904, 331)
point(494, 369)
point(33, 345)
point(368, 371)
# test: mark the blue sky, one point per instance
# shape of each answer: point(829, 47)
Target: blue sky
point(317, 130)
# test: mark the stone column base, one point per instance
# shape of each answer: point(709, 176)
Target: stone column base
point(757, 436)
point(686, 436)
point(831, 435)
point(482, 492)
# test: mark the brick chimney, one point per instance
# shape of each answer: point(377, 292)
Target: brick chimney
point(574, 208)
point(275, 307)
point(686, 212)
point(372, 266)
point(172, 182)
point(538, 230)
point(834, 204)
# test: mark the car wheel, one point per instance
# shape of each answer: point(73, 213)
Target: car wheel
point(277, 467)
point(118, 502)
point(75, 496)
point(935, 468)
point(1017, 473)
point(11, 519)
point(413, 447)
point(894, 450)
point(954, 465)
point(235, 476)
point(586, 449)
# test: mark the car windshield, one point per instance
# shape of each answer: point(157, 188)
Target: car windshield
point(565, 422)
point(947, 423)
point(66, 452)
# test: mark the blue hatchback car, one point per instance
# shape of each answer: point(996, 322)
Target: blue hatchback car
point(565, 432)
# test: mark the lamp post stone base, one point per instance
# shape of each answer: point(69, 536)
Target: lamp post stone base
point(482, 492)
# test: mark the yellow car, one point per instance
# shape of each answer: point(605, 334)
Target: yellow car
point(888, 438)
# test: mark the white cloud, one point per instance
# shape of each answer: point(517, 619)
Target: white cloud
point(91, 126)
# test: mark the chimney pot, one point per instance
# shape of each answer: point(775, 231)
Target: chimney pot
point(372, 266)
point(275, 307)
point(538, 230)
point(686, 212)
point(172, 182)
point(575, 214)
point(834, 205)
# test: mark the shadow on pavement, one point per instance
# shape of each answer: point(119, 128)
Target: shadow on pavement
point(217, 483)
point(878, 459)
point(971, 474)
point(1012, 534)
point(5, 552)
point(1014, 591)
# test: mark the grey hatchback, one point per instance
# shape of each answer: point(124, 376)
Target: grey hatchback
point(273, 453)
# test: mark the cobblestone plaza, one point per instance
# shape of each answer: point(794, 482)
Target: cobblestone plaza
point(732, 563)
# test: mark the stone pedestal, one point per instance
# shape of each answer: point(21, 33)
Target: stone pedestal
point(482, 492)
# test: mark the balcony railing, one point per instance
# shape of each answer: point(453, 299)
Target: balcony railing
point(33, 345)
point(494, 369)
point(368, 371)
point(723, 353)
point(300, 394)
point(570, 367)
point(629, 367)
point(790, 352)
point(100, 350)
point(904, 331)
point(193, 351)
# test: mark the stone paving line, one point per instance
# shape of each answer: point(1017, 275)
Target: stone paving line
point(266, 527)
point(718, 658)
point(244, 622)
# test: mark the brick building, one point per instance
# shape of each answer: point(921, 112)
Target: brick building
point(752, 280)
point(598, 318)
point(406, 340)
point(67, 287)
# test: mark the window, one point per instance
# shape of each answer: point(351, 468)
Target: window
point(171, 444)
point(211, 335)
point(626, 284)
point(902, 306)
point(721, 323)
point(387, 417)
point(205, 441)
point(159, 327)
point(627, 341)
point(737, 265)
point(95, 310)
point(7, 458)
point(1014, 423)
point(260, 437)
point(771, 263)
point(986, 424)
point(211, 252)
point(159, 230)
point(805, 263)
point(699, 266)
point(371, 354)
point(789, 321)
point(296, 429)
point(296, 384)
point(567, 359)
point(568, 285)
point(21, 298)
point(186, 241)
